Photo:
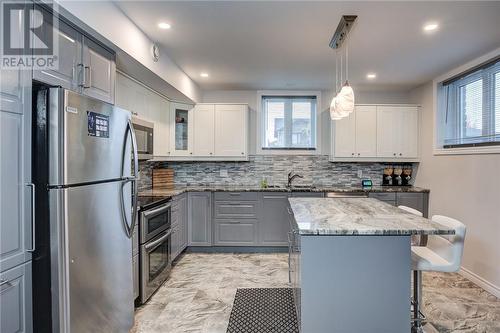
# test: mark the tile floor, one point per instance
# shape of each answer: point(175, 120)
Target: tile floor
point(199, 294)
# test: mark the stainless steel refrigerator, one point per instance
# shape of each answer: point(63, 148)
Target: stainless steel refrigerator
point(86, 167)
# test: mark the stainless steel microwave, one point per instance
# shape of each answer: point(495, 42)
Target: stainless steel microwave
point(144, 136)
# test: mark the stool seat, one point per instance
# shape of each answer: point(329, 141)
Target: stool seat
point(424, 259)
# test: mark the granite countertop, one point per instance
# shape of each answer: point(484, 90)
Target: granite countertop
point(359, 216)
point(161, 193)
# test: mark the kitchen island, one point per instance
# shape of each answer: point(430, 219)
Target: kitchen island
point(350, 264)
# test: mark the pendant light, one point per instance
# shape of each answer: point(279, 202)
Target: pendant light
point(342, 104)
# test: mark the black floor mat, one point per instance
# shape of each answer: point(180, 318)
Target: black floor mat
point(263, 310)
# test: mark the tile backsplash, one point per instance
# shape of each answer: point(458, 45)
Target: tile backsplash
point(317, 170)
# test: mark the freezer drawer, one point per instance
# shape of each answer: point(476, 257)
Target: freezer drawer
point(97, 264)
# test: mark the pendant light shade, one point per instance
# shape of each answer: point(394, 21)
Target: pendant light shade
point(345, 100)
point(333, 114)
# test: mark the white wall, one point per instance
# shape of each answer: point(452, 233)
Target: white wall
point(465, 187)
point(250, 97)
point(108, 20)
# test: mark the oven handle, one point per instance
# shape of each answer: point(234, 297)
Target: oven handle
point(153, 245)
point(153, 212)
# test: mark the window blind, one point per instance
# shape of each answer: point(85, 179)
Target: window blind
point(472, 107)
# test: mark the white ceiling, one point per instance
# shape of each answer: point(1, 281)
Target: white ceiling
point(284, 45)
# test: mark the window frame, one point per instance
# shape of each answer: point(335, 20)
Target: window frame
point(439, 106)
point(260, 128)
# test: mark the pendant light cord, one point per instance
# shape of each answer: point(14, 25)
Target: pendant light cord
point(347, 61)
point(336, 71)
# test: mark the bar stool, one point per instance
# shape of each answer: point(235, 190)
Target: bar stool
point(411, 210)
point(441, 254)
point(416, 240)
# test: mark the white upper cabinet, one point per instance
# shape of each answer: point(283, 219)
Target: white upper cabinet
point(161, 141)
point(231, 130)
point(387, 131)
point(146, 104)
point(377, 133)
point(204, 130)
point(345, 136)
point(410, 132)
point(366, 131)
point(209, 132)
point(181, 129)
point(355, 135)
point(397, 132)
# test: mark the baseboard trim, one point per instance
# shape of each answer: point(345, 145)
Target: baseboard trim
point(486, 285)
point(237, 249)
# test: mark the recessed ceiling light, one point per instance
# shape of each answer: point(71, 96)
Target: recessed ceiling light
point(430, 26)
point(164, 25)
point(371, 75)
point(204, 74)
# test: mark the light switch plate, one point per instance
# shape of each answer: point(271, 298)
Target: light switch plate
point(360, 173)
point(223, 172)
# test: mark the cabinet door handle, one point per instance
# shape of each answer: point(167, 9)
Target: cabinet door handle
point(400, 154)
point(33, 245)
point(352, 154)
point(87, 84)
point(359, 154)
point(3, 282)
point(394, 154)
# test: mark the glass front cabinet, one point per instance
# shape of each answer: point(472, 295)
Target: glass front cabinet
point(181, 130)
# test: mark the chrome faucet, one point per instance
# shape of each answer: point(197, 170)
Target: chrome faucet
point(291, 177)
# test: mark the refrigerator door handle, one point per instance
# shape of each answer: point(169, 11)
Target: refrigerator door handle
point(129, 228)
point(33, 245)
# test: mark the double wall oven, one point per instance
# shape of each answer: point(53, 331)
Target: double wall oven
point(155, 247)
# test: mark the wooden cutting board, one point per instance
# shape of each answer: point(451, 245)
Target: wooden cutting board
point(163, 179)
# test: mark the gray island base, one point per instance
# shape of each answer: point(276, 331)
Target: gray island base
point(351, 264)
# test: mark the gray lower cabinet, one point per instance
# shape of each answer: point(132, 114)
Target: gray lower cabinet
point(307, 194)
point(200, 218)
point(135, 270)
point(179, 225)
point(183, 221)
point(135, 259)
point(15, 299)
point(389, 198)
point(235, 232)
point(416, 200)
point(274, 225)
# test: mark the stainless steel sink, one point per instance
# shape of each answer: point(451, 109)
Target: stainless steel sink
point(303, 187)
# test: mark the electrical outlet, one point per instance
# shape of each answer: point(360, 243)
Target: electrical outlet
point(360, 173)
point(223, 172)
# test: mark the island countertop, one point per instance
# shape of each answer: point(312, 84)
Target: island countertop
point(359, 216)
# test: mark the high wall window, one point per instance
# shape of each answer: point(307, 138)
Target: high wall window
point(469, 108)
point(289, 122)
